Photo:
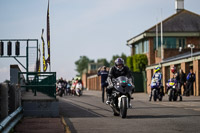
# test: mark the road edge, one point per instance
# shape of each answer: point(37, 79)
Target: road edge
point(66, 127)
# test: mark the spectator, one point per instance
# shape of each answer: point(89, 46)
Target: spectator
point(190, 81)
point(104, 74)
point(181, 81)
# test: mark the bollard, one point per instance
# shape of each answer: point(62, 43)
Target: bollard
point(4, 100)
point(12, 98)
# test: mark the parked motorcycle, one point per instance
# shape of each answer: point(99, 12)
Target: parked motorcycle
point(157, 90)
point(172, 91)
point(78, 89)
point(121, 95)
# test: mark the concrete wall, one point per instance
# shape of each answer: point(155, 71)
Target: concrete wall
point(40, 108)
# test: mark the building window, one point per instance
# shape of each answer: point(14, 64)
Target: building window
point(146, 46)
point(180, 42)
point(170, 42)
point(142, 47)
point(136, 49)
point(93, 67)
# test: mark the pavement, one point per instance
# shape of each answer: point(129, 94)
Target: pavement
point(40, 125)
point(58, 125)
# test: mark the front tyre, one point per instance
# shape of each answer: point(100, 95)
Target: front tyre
point(123, 108)
point(154, 95)
point(175, 96)
point(170, 94)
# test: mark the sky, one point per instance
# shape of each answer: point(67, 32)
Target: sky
point(93, 28)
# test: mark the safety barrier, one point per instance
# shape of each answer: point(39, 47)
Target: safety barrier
point(44, 82)
point(11, 120)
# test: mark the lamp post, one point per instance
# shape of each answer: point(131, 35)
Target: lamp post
point(191, 46)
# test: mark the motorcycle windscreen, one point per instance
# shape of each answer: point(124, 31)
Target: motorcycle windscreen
point(123, 85)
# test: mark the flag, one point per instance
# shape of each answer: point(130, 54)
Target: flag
point(43, 49)
point(38, 69)
point(48, 35)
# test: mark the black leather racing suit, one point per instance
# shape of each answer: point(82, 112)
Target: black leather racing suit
point(115, 73)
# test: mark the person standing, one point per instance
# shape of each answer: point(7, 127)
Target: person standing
point(190, 81)
point(181, 81)
point(102, 71)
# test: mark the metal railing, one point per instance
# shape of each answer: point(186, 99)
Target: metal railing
point(11, 120)
point(44, 82)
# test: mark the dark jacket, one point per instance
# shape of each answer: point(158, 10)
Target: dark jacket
point(115, 73)
point(181, 78)
point(104, 76)
point(191, 77)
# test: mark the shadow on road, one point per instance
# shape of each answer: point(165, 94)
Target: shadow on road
point(71, 110)
point(158, 116)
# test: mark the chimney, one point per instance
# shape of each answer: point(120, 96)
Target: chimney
point(179, 5)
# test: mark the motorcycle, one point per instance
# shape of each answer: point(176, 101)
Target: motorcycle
point(157, 90)
point(78, 89)
point(172, 91)
point(121, 95)
point(61, 90)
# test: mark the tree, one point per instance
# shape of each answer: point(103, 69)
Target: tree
point(140, 62)
point(103, 61)
point(129, 62)
point(82, 64)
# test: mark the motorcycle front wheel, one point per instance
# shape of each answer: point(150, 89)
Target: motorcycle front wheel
point(123, 108)
point(154, 95)
point(170, 95)
point(175, 96)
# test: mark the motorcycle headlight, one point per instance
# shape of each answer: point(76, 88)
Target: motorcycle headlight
point(118, 84)
point(129, 84)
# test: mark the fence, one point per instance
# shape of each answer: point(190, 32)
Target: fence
point(94, 82)
point(44, 82)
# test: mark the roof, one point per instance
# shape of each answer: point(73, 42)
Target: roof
point(182, 22)
point(181, 56)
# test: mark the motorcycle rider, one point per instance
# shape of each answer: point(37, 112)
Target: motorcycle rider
point(119, 69)
point(158, 78)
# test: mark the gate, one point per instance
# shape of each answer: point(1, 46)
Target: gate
point(140, 81)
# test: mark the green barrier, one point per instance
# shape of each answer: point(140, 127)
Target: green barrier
point(44, 82)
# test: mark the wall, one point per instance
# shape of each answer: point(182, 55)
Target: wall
point(94, 82)
point(193, 40)
point(185, 67)
point(151, 56)
point(149, 76)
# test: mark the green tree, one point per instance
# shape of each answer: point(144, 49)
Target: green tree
point(129, 62)
point(103, 61)
point(140, 62)
point(82, 64)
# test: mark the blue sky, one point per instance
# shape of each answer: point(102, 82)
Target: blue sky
point(95, 28)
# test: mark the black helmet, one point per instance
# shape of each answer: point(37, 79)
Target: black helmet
point(119, 61)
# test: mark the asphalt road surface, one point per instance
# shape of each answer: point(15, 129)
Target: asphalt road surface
point(87, 114)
